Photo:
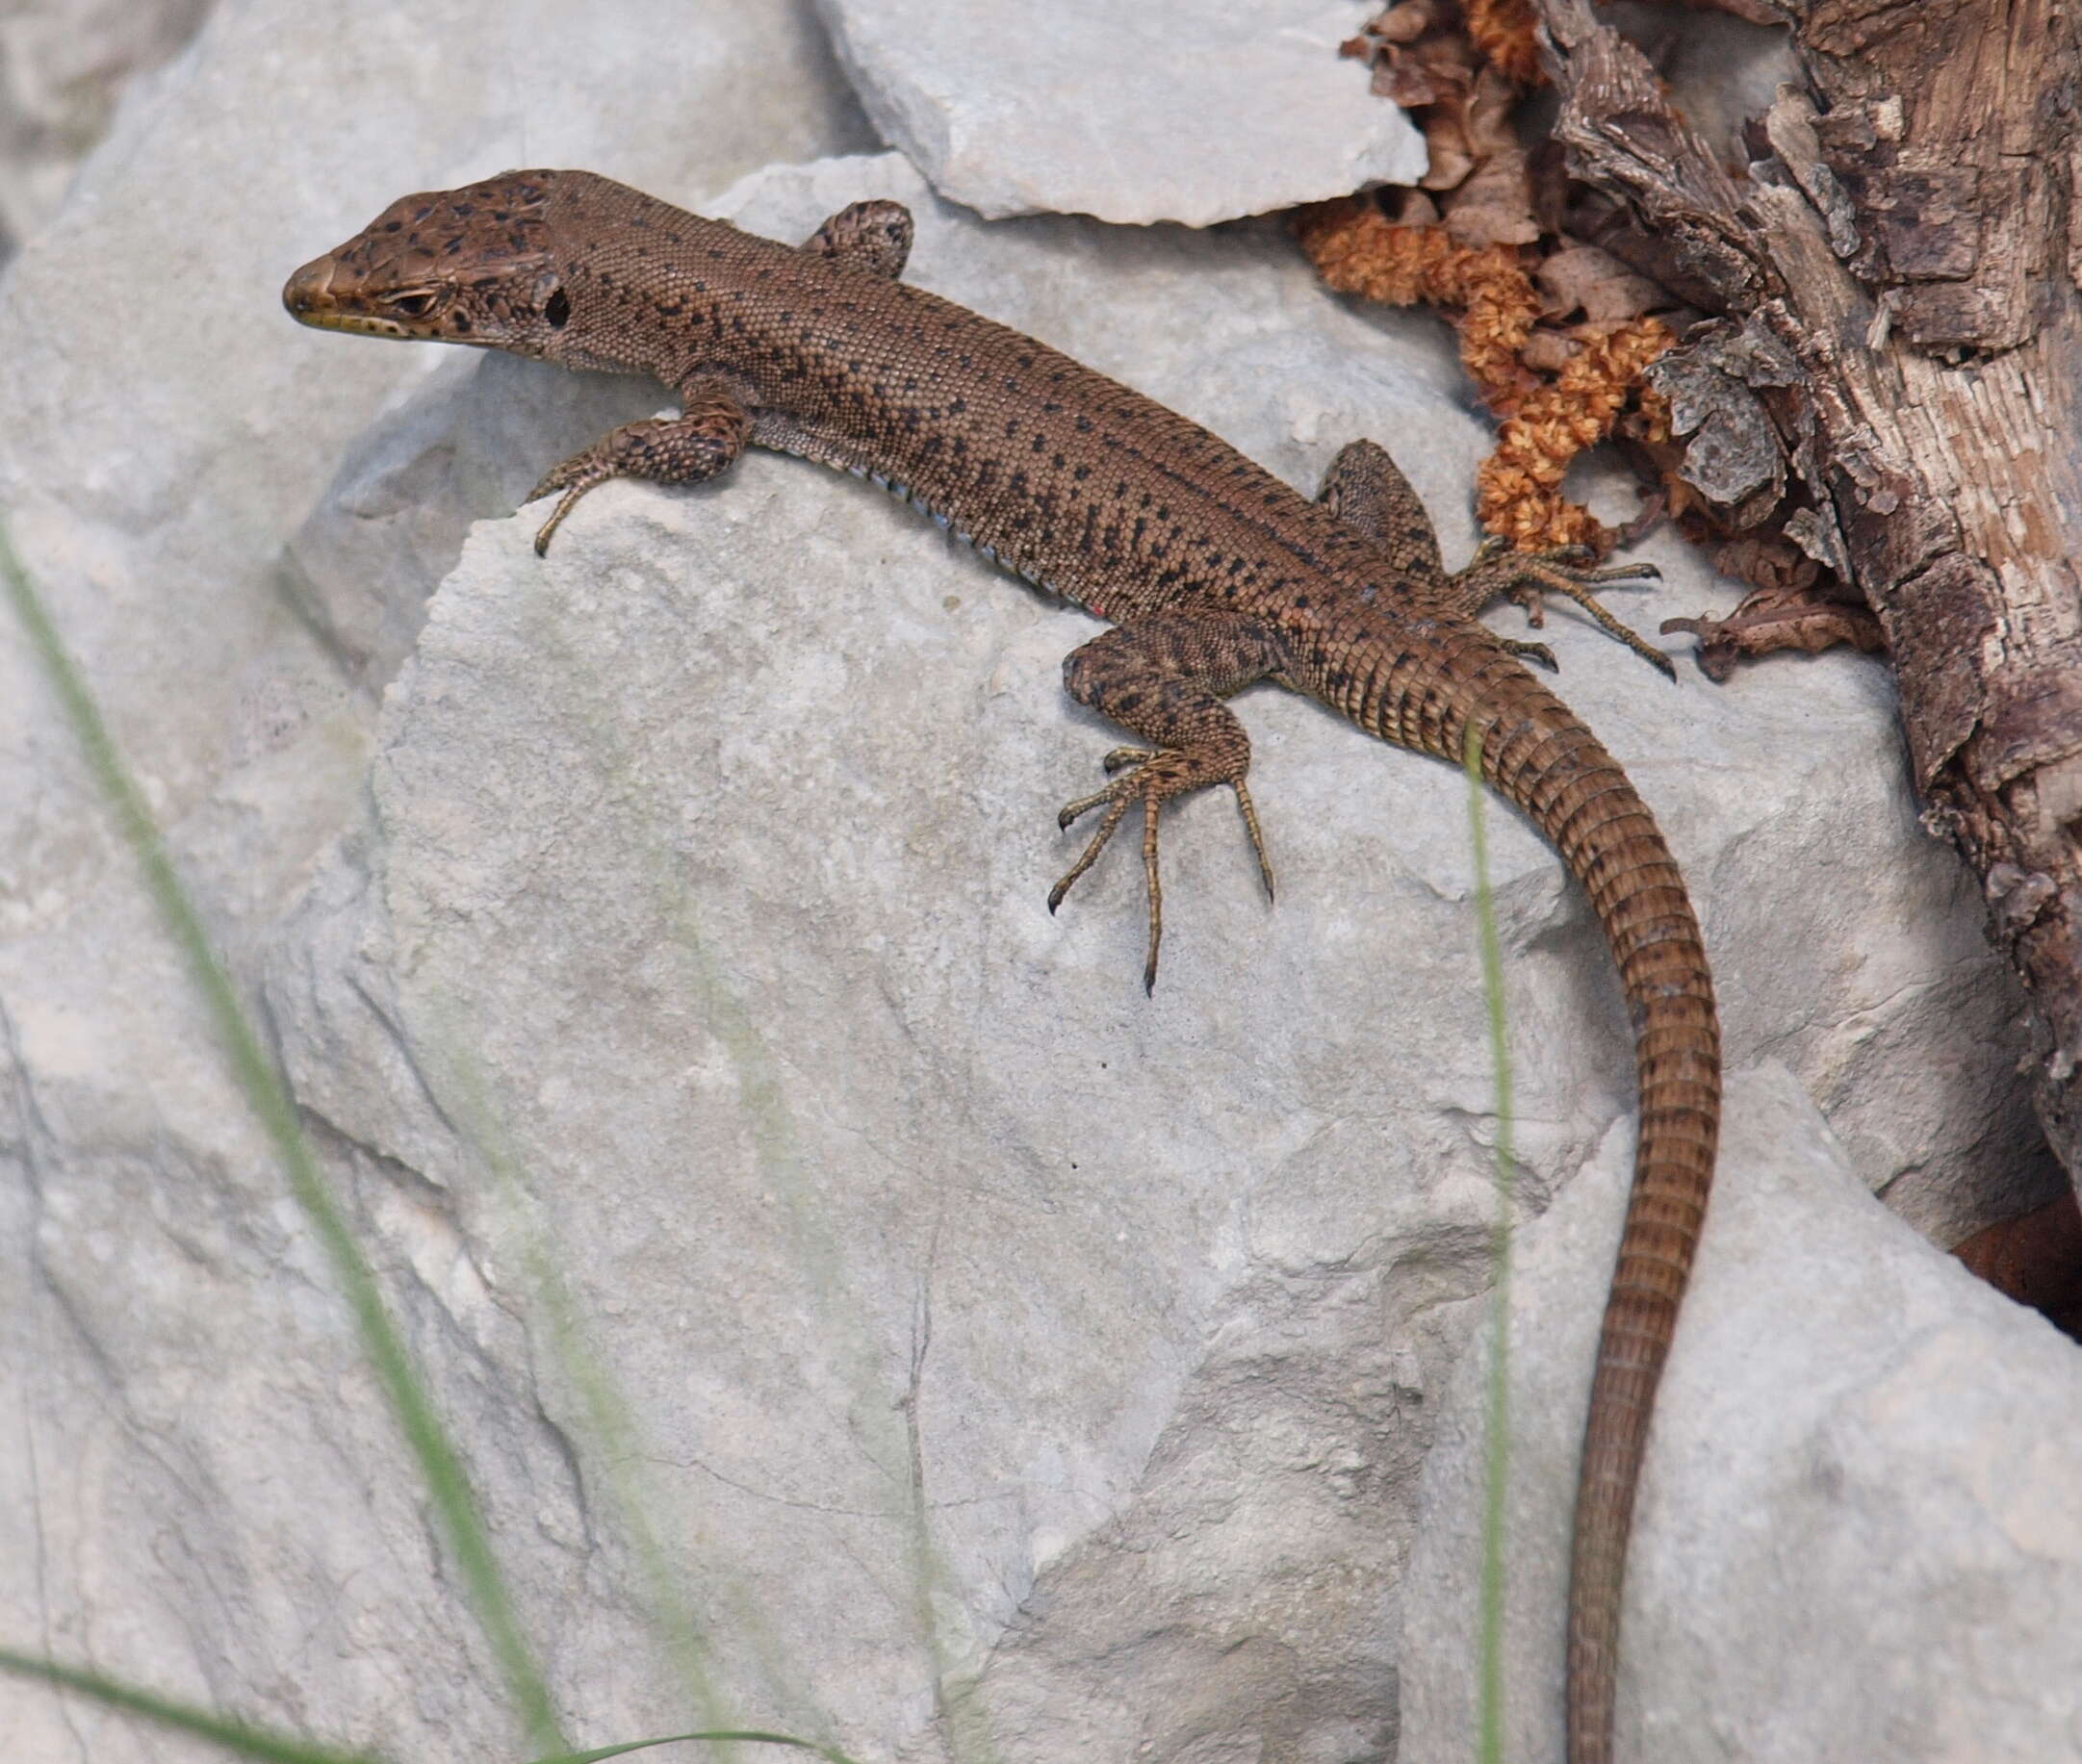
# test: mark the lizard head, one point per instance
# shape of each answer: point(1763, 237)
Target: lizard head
point(447, 265)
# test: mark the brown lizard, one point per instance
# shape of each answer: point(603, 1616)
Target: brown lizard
point(1213, 572)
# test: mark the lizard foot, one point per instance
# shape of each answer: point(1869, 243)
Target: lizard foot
point(1151, 778)
point(1497, 571)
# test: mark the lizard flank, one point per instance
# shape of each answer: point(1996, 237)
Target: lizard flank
point(1213, 572)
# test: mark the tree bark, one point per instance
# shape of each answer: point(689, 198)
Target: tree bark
point(1888, 378)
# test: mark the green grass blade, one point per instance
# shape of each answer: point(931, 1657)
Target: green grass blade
point(721, 1734)
point(440, 1465)
point(1497, 1436)
point(241, 1737)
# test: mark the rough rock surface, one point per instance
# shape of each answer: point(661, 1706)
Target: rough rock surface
point(1860, 1534)
point(1003, 1345)
point(1158, 111)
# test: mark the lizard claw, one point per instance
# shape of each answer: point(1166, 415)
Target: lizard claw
point(574, 477)
point(1153, 780)
point(1523, 576)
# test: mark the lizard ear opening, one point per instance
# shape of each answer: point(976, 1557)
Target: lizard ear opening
point(556, 309)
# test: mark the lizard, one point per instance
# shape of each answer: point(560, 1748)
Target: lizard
point(1212, 572)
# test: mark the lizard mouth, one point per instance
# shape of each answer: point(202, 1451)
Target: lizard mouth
point(311, 298)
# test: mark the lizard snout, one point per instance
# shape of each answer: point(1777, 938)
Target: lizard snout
point(308, 294)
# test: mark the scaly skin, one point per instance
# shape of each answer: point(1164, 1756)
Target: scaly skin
point(1213, 572)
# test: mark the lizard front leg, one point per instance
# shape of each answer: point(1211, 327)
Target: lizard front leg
point(1165, 677)
point(874, 235)
point(709, 433)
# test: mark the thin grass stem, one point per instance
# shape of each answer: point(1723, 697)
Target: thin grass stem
point(1497, 1431)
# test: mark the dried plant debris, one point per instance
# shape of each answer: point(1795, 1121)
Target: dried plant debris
point(1427, 59)
point(1557, 332)
point(1518, 487)
point(1554, 331)
point(1358, 249)
point(1773, 619)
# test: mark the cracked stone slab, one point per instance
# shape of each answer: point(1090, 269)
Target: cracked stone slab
point(1152, 111)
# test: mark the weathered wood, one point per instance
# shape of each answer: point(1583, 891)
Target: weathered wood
point(1890, 381)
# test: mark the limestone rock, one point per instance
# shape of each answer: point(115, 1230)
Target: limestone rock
point(1142, 113)
point(64, 67)
point(861, 1163)
point(1859, 1534)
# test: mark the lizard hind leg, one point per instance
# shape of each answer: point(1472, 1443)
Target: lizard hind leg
point(1165, 677)
point(1366, 491)
point(1497, 571)
point(874, 235)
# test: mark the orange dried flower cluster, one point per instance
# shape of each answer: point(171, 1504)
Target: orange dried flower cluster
point(1502, 31)
point(1518, 487)
point(1356, 250)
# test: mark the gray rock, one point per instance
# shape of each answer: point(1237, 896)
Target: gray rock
point(1858, 1535)
point(166, 426)
point(1081, 1348)
point(1002, 1346)
point(1142, 113)
point(218, 1504)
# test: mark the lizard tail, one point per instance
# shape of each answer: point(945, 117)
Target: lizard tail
point(1539, 755)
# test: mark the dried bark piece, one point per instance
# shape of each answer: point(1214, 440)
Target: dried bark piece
point(1908, 239)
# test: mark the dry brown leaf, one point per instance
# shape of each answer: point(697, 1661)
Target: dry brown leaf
point(1427, 59)
point(1490, 201)
point(1582, 278)
point(2034, 1260)
point(1774, 619)
point(1431, 70)
point(1503, 29)
point(1764, 558)
point(1549, 351)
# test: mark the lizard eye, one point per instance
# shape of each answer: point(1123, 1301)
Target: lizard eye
point(412, 305)
point(558, 309)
